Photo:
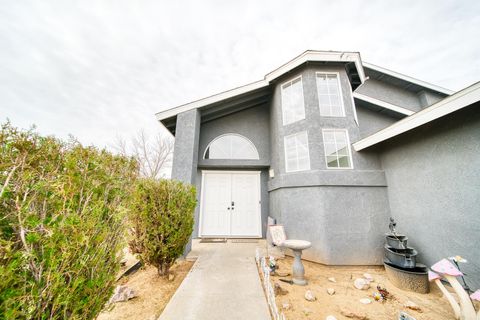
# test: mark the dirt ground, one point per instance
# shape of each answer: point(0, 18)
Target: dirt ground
point(153, 293)
point(346, 298)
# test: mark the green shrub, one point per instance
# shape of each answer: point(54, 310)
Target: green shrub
point(162, 218)
point(62, 214)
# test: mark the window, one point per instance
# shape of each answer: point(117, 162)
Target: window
point(293, 108)
point(231, 146)
point(337, 148)
point(297, 157)
point(330, 95)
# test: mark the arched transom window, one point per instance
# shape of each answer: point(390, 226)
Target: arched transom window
point(231, 146)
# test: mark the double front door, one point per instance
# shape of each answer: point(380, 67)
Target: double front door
point(230, 204)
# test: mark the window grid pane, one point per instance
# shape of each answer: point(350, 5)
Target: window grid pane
point(297, 156)
point(292, 101)
point(329, 99)
point(231, 146)
point(337, 150)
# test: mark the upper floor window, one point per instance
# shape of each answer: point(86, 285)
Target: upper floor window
point(330, 95)
point(293, 107)
point(231, 146)
point(297, 157)
point(337, 149)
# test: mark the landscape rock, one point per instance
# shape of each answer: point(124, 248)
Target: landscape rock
point(310, 296)
point(354, 315)
point(332, 279)
point(331, 291)
point(278, 290)
point(365, 301)
point(171, 277)
point(405, 316)
point(361, 284)
point(368, 277)
point(412, 306)
point(306, 311)
point(330, 318)
point(122, 293)
point(286, 305)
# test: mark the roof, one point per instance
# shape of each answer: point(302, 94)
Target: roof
point(256, 92)
point(408, 80)
point(457, 101)
point(309, 55)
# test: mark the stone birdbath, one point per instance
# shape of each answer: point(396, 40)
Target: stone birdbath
point(298, 270)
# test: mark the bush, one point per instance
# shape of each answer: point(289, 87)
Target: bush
point(162, 218)
point(62, 212)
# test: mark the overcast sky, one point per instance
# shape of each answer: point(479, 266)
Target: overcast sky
point(97, 69)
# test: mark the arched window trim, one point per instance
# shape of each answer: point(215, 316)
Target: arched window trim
point(232, 134)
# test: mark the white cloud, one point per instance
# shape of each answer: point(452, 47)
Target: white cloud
point(101, 68)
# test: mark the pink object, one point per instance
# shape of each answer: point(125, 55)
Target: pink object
point(475, 295)
point(433, 276)
point(446, 267)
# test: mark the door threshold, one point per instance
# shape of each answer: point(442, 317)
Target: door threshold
point(213, 240)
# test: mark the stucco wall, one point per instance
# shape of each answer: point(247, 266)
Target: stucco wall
point(253, 123)
point(323, 204)
point(371, 122)
point(185, 152)
point(390, 93)
point(433, 177)
point(344, 224)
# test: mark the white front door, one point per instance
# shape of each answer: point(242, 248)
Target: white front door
point(230, 204)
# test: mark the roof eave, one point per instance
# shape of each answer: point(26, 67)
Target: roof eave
point(309, 55)
point(450, 104)
point(401, 76)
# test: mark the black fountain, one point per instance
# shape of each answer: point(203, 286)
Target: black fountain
point(401, 265)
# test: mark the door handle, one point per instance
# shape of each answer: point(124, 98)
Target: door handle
point(233, 205)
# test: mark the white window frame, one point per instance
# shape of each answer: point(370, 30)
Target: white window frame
point(348, 148)
point(231, 134)
point(283, 105)
point(296, 150)
point(342, 104)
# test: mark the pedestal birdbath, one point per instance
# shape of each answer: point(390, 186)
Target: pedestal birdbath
point(298, 270)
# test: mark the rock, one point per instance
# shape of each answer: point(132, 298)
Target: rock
point(361, 284)
point(171, 277)
point(365, 301)
point(368, 277)
point(332, 279)
point(306, 311)
point(122, 293)
point(278, 290)
point(310, 296)
point(330, 318)
point(412, 306)
point(331, 291)
point(354, 315)
point(405, 316)
point(286, 305)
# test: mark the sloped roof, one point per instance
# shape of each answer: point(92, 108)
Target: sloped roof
point(309, 55)
point(406, 80)
point(355, 68)
point(450, 104)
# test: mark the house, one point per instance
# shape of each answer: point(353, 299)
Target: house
point(331, 147)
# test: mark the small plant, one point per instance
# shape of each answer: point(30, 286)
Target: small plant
point(162, 221)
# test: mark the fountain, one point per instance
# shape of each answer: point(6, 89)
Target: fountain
point(401, 264)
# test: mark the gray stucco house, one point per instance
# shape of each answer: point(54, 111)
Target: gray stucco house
point(331, 147)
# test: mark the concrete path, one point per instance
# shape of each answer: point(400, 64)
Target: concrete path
point(223, 284)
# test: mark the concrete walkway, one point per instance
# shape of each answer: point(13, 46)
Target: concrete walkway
point(223, 284)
